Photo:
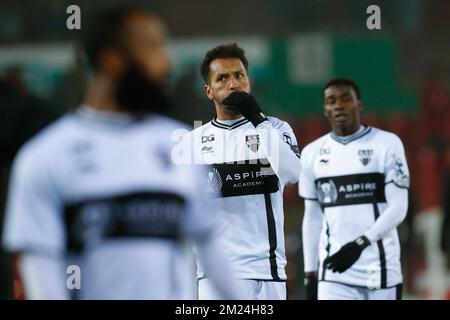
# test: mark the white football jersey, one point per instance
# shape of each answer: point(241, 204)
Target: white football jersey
point(102, 190)
point(248, 169)
point(348, 178)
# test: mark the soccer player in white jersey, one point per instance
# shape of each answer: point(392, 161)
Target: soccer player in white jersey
point(354, 181)
point(252, 158)
point(97, 189)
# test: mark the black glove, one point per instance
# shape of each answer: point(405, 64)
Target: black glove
point(311, 286)
point(246, 105)
point(347, 255)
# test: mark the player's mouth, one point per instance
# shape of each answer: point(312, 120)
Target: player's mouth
point(340, 117)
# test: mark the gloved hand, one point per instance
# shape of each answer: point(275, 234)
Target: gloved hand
point(311, 286)
point(347, 255)
point(246, 105)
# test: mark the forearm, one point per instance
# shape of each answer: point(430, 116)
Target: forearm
point(283, 159)
point(311, 229)
point(43, 277)
point(395, 213)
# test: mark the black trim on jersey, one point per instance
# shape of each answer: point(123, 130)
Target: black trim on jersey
point(399, 292)
point(312, 199)
point(381, 251)
point(239, 123)
point(355, 286)
point(267, 280)
point(133, 215)
point(365, 131)
point(328, 252)
point(401, 187)
point(272, 237)
point(287, 292)
point(254, 279)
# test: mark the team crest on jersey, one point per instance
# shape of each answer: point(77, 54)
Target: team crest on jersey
point(252, 142)
point(214, 181)
point(327, 192)
point(365, 156)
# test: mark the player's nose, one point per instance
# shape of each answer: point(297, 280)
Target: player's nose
point(233, 84)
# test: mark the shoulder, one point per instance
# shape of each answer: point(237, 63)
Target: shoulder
point(167, 124)
point(278, 123)
point(42, 148)
point(50, 137)
point(167, 129)
point(386, 137)
point(199, 130)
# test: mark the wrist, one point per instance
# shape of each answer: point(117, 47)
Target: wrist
point(310, 278)
point(257, 118)
point(363, 242)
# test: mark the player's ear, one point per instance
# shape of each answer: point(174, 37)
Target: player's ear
point(360, 105)
point(208, 91)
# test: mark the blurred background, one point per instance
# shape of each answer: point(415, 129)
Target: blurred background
point(294, 47)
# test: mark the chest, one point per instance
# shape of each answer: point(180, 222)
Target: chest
point(114, 164)
point(224, 146)
point(336, 159)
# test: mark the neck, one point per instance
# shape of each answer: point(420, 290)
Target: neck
point(100, 95)
point(346, 131)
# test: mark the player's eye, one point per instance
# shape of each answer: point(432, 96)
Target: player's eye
point(346, 98)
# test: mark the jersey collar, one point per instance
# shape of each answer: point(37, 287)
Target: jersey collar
point(363, 130)
point(221, 125)
point(116, 119)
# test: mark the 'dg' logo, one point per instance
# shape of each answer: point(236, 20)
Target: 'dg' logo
point(327, 192)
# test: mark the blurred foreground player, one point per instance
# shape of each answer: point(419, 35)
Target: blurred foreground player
point(252, 158)
point(98, 189)
point(355, 184)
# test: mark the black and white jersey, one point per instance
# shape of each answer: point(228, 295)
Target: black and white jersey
point(348, 178)
point(248, 169)
point(102, 190)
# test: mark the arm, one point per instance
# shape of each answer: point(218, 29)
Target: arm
point(279, 145)
point(281, 149)
point(43, 277)
point(311, 229)
point(34, 229)
point(312, 225)
point(395, 213)
point(396, 191)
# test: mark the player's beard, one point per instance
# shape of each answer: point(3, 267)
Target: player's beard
point(229, 110)
point(139, 95)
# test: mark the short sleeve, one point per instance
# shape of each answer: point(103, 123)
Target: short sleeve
point(396, 167)
point(33, 221)
point(306, 185)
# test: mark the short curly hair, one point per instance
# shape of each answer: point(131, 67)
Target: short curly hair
point(224, 51)
point(343, 81)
